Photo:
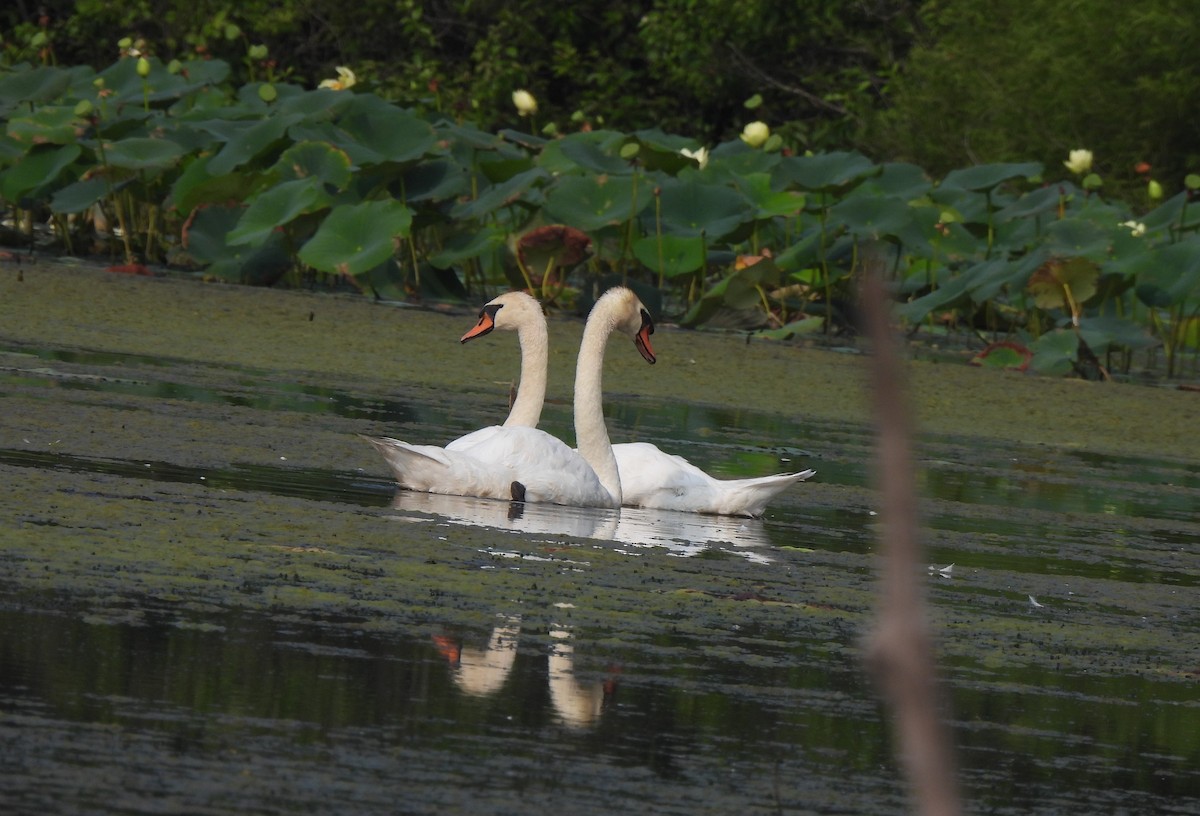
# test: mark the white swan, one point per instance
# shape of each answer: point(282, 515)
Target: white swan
point(521, 462)
point(650, 477)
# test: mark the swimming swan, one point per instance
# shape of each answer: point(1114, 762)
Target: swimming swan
point(650, 477)
point(521, 462)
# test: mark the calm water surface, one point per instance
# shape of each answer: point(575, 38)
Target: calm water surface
point(578, 661)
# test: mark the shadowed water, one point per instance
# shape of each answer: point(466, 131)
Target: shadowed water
point(183, 630)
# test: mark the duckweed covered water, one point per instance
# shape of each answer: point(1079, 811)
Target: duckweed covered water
point(212, 600)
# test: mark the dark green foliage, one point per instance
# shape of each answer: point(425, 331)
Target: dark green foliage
point(686, 65)
point(995, 82)
point(245, 170)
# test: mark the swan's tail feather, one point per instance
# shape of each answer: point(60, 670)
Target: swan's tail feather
point(749, 497)
point(417, 467)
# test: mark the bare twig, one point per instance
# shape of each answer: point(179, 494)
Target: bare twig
point(750, 67)
point(899, 651)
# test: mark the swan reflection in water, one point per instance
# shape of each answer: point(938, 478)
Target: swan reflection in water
point(681, 534)
point(481, 672)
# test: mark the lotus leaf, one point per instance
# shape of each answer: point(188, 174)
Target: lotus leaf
point(987, 176)
point(463, 246)
point(1055, 352)
point(1033, 203)
point(597, 152)
point(899, 179)
point(357, 237)
point(39, 169)
point(871, 217)
point(553, 246)
point(827, 171)
point(949, 293)
point(204, 240)
point(143, 154)
point(383, 132)
point(809, 324)
point(79, 196)
point(276, 208)
point(435, 180)
point(594, 202)
point(244, 140)
point(691, 207)
point(500, 195)
point(1004, 354)
point(318, 160)
point(195, 186)
point(1103, 332)
point(1054, 280)
point(56, 124)
point(1080, 236)
point(769, 202)
point(1170, 275)
point(670, 255)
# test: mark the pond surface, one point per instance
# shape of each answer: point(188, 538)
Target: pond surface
point(213, 601)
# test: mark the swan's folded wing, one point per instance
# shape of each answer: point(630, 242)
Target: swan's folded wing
point(653, 478)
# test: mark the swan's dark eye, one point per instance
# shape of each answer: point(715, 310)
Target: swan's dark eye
point(647, 323)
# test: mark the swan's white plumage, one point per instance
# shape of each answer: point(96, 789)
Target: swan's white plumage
point(546, 467)
point(487, 462)
point(649, 477)
point(653, 478)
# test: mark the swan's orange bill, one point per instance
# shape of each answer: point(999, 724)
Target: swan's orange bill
point(487, 322)
point(642, 339)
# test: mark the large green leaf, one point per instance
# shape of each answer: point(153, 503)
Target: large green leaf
point(1055, 352)
point(692, 207)
point(899, 179)
point(383, 132)
point(594, 202)
point(670, 255)
point(826, 171)
point(595, 151)
point(1035, 202)
point(38, 170)
point(36, 85)
point(316, 160)
point(1079, 236)
point(196, 186)
point(128, 88)
point(986, 176)
point(949, 293)
point(204, 241)
point(871, 217)
point(769, 202)
point(244, 140)
point(277, 207)
point(356, 238)
point(435, 180)
point(56, 124)
point(1050, 283)
point(142, 153)
point(1170, 275)
point(1102, 332)
point(80, 195)
point(809, 324)
point(466, 245)
point(499, 195)
point(739, 291)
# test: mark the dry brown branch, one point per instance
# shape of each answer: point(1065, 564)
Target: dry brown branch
point(754, 71)
point(899, 651)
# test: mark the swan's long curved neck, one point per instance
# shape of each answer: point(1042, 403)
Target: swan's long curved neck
point(591, 434)
point(526, 409)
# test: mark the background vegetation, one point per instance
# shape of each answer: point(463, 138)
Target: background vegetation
point(935, 134)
